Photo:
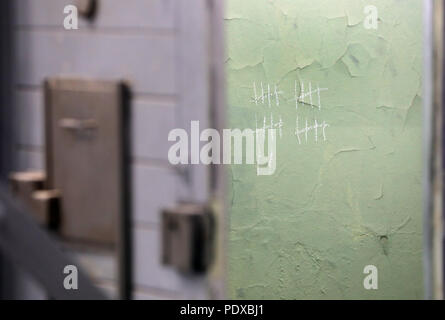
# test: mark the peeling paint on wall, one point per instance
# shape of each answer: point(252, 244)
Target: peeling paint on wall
point(332, 207)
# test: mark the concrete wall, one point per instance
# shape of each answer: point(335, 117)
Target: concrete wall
point(352, 197)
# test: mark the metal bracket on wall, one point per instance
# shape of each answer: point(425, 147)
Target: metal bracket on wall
point(187, 237)
point(43, 204)
point(87, 8)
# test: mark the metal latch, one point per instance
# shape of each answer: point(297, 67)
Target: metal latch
point(187, 237)
point(43, 204)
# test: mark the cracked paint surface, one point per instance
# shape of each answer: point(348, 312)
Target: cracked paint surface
point(331, 207)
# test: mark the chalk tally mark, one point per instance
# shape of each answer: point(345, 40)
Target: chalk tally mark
point(267, 95)
point(308, 128)
point(301, 96)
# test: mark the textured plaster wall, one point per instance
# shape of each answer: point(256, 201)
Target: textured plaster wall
point(331, 207)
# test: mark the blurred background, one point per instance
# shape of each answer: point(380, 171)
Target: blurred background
point(87, 107)
point(158, 51)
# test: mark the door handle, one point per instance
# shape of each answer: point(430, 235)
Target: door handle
point(78, 124)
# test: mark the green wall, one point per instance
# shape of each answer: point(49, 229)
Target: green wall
point(332, 206)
